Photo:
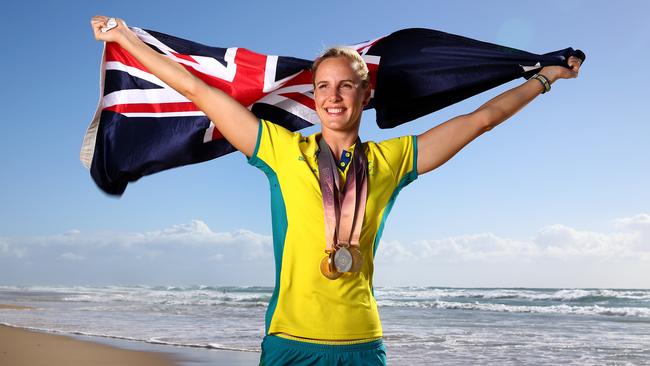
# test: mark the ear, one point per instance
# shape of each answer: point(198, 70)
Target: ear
point(366, 96)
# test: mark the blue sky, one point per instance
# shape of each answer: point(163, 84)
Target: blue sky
point(555, 197)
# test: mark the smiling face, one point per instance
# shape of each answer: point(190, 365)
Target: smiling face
point(339, 94)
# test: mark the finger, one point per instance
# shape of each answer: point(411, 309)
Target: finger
point(98, 18)
point(96, 23)
point(111, 23)
point(574, 61)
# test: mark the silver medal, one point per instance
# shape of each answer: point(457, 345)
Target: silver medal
point(343, 259)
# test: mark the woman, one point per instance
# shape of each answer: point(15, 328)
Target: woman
point(330, 195)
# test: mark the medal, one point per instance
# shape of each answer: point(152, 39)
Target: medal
point(344, 208)
point(357, 259)
point(342, 260)
point(348, 259)
point(328, 269)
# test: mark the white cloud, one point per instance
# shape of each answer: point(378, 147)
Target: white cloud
point(563, 241)
point(185, 253)
point(194, 238)
point(631, 240)
point(550, 242)
point(486, 246)
point(394, 251)
point(640, 221)
point(194, 227)
point(556, 255)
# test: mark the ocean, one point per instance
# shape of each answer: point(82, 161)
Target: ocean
point(422, 325)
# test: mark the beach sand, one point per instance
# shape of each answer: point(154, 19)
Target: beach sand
point(20, 347)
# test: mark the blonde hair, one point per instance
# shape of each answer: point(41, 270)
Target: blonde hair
point(358, 64)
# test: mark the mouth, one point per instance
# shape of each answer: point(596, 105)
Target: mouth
point(335, 111)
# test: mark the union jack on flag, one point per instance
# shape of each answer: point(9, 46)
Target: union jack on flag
point(143, 126)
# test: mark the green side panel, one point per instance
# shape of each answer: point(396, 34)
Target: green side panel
point(279, 223)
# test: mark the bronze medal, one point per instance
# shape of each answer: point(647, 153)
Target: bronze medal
point(357, 259)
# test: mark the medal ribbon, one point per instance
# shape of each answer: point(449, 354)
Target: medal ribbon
point(344, 208)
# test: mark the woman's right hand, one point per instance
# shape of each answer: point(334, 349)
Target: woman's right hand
point(235, 122)
point(113, 35)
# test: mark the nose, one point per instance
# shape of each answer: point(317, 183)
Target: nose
point(333, 95)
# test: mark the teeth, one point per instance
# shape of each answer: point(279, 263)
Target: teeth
point(334, 110)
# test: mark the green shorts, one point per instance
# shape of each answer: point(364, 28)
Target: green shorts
point(278, 351)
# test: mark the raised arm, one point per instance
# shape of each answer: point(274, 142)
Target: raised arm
point(236, 123)
point(439, 144)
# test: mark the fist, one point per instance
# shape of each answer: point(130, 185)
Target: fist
point(574, 65)
point(112, 35)
point(560, 72)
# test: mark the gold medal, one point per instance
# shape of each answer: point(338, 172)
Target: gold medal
point(328, 269)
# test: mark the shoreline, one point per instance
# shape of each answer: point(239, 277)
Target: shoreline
point(23, 346)
point(26, 346)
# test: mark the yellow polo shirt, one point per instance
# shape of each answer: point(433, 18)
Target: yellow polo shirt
point(305, 303)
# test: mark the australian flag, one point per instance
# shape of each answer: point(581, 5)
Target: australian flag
point(142, 126)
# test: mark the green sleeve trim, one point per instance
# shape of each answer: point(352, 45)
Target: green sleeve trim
point(415, 154)
point(408, 178)
point(253, 159)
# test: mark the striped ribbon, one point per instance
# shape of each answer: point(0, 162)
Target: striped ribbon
point(344, 208)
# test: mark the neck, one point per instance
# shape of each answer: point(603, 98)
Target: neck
point(339, 140)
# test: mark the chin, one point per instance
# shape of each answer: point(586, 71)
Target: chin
point(338, 121)
point(338, 126)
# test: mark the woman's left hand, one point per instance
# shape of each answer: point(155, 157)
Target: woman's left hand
point(560, 72)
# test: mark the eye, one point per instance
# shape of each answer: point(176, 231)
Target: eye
point(347, 86)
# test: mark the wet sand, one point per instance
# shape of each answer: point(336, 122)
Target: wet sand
point(20, 347)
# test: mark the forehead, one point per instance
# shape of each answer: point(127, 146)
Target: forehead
point(334, 69)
